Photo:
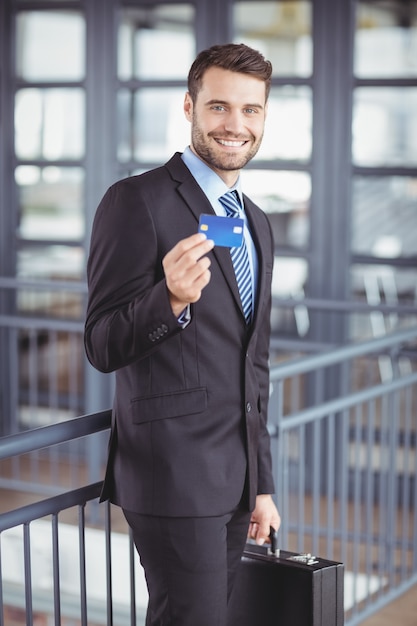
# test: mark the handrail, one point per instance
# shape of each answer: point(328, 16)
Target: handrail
point(41, 323)
point(49, 506)
point(301, 365)
point(44, 436)
point(325, 409)
point(344, 306)
point(8, 282)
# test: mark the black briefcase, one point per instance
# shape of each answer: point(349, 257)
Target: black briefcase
point(278, 588)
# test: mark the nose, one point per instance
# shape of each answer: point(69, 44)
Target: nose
point(234, 122)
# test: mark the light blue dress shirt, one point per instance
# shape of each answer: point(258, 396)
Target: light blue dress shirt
point(214, 187)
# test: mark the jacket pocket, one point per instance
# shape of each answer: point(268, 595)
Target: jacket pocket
point(168, 405)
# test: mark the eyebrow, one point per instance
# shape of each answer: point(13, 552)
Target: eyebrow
point(254, 105)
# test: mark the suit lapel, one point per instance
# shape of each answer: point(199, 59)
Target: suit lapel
point(198, 203)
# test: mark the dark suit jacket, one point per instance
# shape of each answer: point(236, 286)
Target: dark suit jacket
point(189, 429)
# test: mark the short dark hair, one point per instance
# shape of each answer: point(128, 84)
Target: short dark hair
point(232, 57)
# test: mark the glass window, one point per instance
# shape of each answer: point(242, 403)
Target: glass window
point(285, 197)
point(152, 124)
point(288, 127)
point(49, 124)
point(289, 279)
point(280, 30)
point(48, 262)
point(385, 126)
point(379, 285)
point(386, 39)
point(50, 45)
point(125, 125)
point(156, 42)
point(393, 283)
point(55, 302)
point(50, 203)
point(384, 220)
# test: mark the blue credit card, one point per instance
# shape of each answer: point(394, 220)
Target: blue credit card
point(224, 231)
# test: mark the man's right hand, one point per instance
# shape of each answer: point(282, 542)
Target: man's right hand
point(187, 271)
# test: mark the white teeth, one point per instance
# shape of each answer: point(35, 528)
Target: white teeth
point(231, 144)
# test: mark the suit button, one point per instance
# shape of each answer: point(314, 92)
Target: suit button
point(248, 407)
point(159, 332)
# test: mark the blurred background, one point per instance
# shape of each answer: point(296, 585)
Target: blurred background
point(91, 91)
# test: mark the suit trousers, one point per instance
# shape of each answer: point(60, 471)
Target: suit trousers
point(190, 565)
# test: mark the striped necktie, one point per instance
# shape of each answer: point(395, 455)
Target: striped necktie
point(240, 257)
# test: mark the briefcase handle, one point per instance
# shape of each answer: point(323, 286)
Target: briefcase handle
point(273, 550)
point(273, 538)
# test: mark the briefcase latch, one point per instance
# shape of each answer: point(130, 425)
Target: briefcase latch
point(307, 559)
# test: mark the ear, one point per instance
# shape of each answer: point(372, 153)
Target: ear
point(188, 107)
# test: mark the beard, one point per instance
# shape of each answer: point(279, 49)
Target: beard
point(206, 149)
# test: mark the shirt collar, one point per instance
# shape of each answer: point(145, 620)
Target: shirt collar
point(210, 182)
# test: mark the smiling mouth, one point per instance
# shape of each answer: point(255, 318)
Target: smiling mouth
point(230, 143)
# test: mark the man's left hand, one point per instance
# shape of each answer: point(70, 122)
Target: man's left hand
point(263, 517)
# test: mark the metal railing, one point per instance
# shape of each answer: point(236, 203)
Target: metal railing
point(345, 465)
point(65, 570)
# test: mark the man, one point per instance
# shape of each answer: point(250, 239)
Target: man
point(189, 458)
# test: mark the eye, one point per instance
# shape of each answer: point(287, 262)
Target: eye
point(250, 111)
point(218, 107)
